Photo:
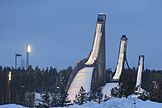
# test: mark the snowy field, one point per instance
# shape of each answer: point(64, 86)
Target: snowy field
point(121, 103)
point(12, 106)
point(112, 103)
point(106, 90)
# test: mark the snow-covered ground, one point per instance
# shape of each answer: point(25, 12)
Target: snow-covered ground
point(82, 79)
point(11, 106)
point(112, 103)
point(120, 103)
point(106, 90)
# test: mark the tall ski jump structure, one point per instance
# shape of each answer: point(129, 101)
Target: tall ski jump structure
point(138, 88)
point(92, 69)
point(106, 90)
point(121, 58)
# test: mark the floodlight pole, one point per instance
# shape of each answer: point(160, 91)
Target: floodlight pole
point(9, 92)
point(9, 87)
point(27, 60)
point(16, 56)
point(15, 61)
point(28, 50)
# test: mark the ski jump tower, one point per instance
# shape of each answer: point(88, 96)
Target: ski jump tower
point(106, 90)
point(121, 58)
point(92, 69)
point(138, 88)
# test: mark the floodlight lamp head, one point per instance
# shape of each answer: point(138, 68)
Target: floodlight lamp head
point(28, 48)
point(9, 76)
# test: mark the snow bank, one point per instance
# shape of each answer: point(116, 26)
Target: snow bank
point(11, 106)
point(112, 103)
point(106, 90)
point(120, 103)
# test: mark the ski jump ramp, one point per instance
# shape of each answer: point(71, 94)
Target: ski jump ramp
point(139, 75)
point(106, 90)
point(121, 57)
point(93, 69)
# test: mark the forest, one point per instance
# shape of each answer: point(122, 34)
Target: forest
point(51, 80)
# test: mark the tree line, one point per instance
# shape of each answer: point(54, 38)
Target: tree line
point(30, 80)
point(50, 80)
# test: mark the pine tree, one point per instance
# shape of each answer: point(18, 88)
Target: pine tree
point(45, 101)
point(154, 91)
point(97, 95)
point(92, 96)
point(121, 91)
point(64, 99)
point(115, 92)
point(81, 97)
point(55, 99)
point(60, 98)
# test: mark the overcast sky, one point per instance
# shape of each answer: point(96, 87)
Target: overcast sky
point(61, 31)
